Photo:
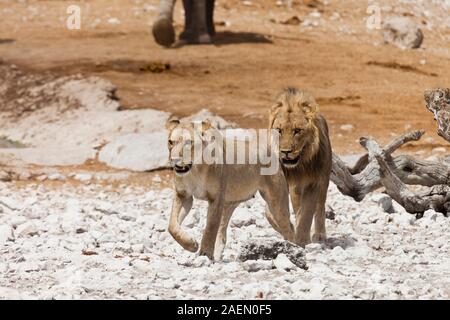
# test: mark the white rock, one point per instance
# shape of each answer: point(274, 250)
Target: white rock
point(4, 176)
point(241, 218)
point(402, 32)
point(26, 229)
point(404, 220)
point(137, 152)
point(113, 20)
point(300, 285)
point(83, 177)
point(430, 215)
point(283, 263)
point(384, 201)
point(439, 150)
point(56, 176)
point(347, 127)
point(201, 261)
point(257, 265)
point(204, 114)
point(6, 234)
point(313, 247)
point(141, 265)
point(432, 158)
point(139, 248)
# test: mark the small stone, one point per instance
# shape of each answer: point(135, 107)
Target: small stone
point(430, 215)
point(242, 218)
point(384, 201)
point(83, 177)
point(283, 263)
point(139, 248)
point(5, 176)
point(347, 127)
point(157, 179)
point(402, 32)
point(80, 230)
point(201, 261)
point(26, 229)
point(6, 234)
point(439, 150)
point(257, 265)
point(56, 177)
point(312, 247)
point(113, 21)
point(315, 14)
point(41, 177)
point(432, 159)
point(404, 220)
point(126, 217)
point(141, 265)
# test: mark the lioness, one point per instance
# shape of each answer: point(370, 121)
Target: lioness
point(305, 154)
point(224, 186)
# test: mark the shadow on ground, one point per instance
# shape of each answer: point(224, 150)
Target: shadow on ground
point(229, 37)
point(7, 41)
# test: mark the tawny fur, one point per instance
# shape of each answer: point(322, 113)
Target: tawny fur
point(224, 186)
point(303, 135)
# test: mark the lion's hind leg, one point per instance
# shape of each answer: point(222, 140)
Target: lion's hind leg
point(221, 240)
point(320, 234)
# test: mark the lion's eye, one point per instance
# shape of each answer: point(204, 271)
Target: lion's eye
point(298, 131)
point(170, 143)
point(279, 130)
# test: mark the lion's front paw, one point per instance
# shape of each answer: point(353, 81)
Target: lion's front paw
point(319, 237)
point(303, 241)
point(206, 253)
point(192, 246)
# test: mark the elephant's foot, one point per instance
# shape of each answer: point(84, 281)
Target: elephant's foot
point(163, 32)
point(204, 38)
point(188, 37)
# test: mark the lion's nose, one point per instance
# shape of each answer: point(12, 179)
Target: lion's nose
point(285, 152)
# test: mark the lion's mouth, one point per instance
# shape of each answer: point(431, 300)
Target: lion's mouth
point(182, 169)
point(290, 162)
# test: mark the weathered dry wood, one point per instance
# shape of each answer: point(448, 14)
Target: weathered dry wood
point(438, 102)
point(379, 168)
point(420, 172)
point(436, 198)
point(364, 177)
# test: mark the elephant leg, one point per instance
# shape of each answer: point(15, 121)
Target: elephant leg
point(162, 29)
point(196, 30)
point(210, 17)
point(188, 32)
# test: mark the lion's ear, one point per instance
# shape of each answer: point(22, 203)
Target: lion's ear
point(310, 109)
point(172, 123)
point(274, 108)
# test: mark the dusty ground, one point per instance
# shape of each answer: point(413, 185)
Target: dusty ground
point(253, 58)
point(91, 231)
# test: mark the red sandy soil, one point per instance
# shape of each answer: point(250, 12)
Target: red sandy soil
point(376, 88)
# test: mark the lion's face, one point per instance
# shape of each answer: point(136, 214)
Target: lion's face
point(291, 117)
point(184, 139)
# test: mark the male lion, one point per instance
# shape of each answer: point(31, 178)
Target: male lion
point(306, 158)
point(224, 186)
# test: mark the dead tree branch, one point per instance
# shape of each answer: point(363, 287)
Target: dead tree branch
point(379, 168)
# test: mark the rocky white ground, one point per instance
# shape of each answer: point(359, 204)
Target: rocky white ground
point(96, 242)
